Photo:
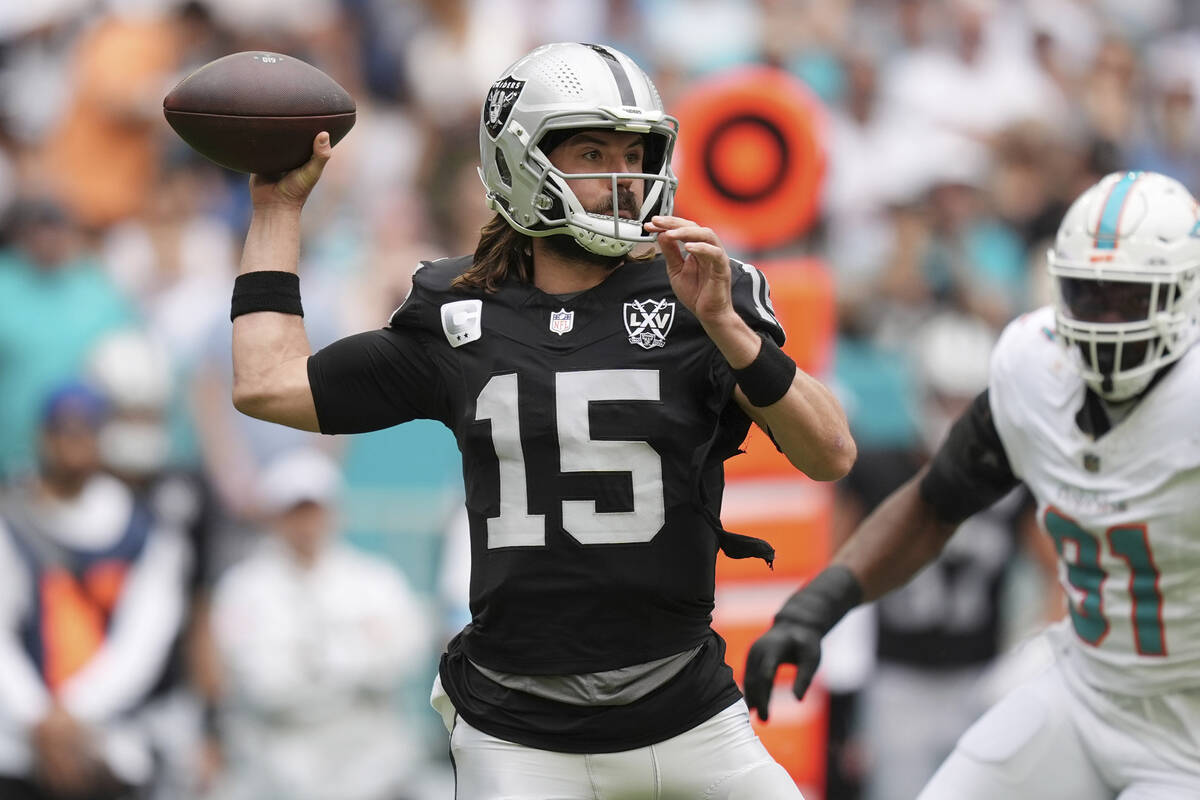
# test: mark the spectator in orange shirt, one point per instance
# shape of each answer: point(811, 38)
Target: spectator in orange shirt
point(102, 158)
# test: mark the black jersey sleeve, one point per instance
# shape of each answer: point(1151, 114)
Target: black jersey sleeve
point(752, 301)
point(374, 380)
point(751, 297)
point(970, 471)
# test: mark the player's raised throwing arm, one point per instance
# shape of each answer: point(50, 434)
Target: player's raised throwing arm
point(906, 532)
point(802, 415)
point(270, 347)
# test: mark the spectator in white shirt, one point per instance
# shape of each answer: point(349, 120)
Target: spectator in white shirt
point(316, 640)
point(92, 589)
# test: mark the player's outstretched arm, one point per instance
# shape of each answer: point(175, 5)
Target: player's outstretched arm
point(807, 422)
point(270, 348)
point(890, 546)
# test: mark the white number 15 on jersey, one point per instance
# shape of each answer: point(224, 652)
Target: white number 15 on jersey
point(578, 452)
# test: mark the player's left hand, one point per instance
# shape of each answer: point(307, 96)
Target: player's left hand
point(697, 266)
point(786, 642)
point(795, 636)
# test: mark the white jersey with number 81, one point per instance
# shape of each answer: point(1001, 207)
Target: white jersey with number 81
point(1123, 510)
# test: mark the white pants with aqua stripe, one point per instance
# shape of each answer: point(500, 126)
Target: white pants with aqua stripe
point(1056, 738)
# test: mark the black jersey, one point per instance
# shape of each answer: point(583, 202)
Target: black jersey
point(592, 431)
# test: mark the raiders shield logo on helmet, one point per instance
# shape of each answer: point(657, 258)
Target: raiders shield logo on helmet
point(648, 321)
point(500, 100)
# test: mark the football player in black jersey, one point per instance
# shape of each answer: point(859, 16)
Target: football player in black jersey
point(594, 394)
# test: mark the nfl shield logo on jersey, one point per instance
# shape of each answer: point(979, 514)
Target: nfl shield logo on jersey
point(648, 321)
point(562, 321)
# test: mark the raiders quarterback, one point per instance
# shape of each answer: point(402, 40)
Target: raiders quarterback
point(594, 392)
point(1092, 403)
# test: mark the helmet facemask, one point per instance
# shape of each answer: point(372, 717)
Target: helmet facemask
point(558, 210)
point(1126, 270)
point(1124, 328)
point(559, 90)
point(603, 230)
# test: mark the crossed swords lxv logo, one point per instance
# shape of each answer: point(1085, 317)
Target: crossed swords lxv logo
point(648, 321)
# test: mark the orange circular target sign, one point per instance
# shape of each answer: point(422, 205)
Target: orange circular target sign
point(750, 156)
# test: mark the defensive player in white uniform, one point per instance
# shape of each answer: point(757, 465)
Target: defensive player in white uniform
point(1093, 404)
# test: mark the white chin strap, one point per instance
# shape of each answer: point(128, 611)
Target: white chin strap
point(1122, 390)
point(600, 245)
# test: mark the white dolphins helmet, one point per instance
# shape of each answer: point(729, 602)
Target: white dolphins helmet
point(1126, 269)
point(570, 86)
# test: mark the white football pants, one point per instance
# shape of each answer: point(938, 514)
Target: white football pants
point(720, 759)
point(1053, 738)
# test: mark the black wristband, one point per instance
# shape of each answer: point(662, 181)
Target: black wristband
point(824, 600)
point(269, 290)
point(767, 378)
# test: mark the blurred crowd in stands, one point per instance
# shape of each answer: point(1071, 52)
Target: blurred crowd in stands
point(175, 613)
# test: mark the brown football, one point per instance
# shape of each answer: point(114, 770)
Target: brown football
point(258, 112)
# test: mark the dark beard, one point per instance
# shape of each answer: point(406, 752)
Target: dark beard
point(565, 246)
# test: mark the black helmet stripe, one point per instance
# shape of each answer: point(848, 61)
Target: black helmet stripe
point(619, 75)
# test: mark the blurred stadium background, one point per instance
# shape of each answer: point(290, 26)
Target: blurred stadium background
point(901, 180)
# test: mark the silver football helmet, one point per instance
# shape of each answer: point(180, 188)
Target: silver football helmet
point(569, 86)
point(1126, 264)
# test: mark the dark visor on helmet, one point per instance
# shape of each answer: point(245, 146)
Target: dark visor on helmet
point(1088, 300)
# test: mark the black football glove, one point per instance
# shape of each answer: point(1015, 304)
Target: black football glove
point(795, 637)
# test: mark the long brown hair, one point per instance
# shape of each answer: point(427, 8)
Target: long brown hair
point(504, 251)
